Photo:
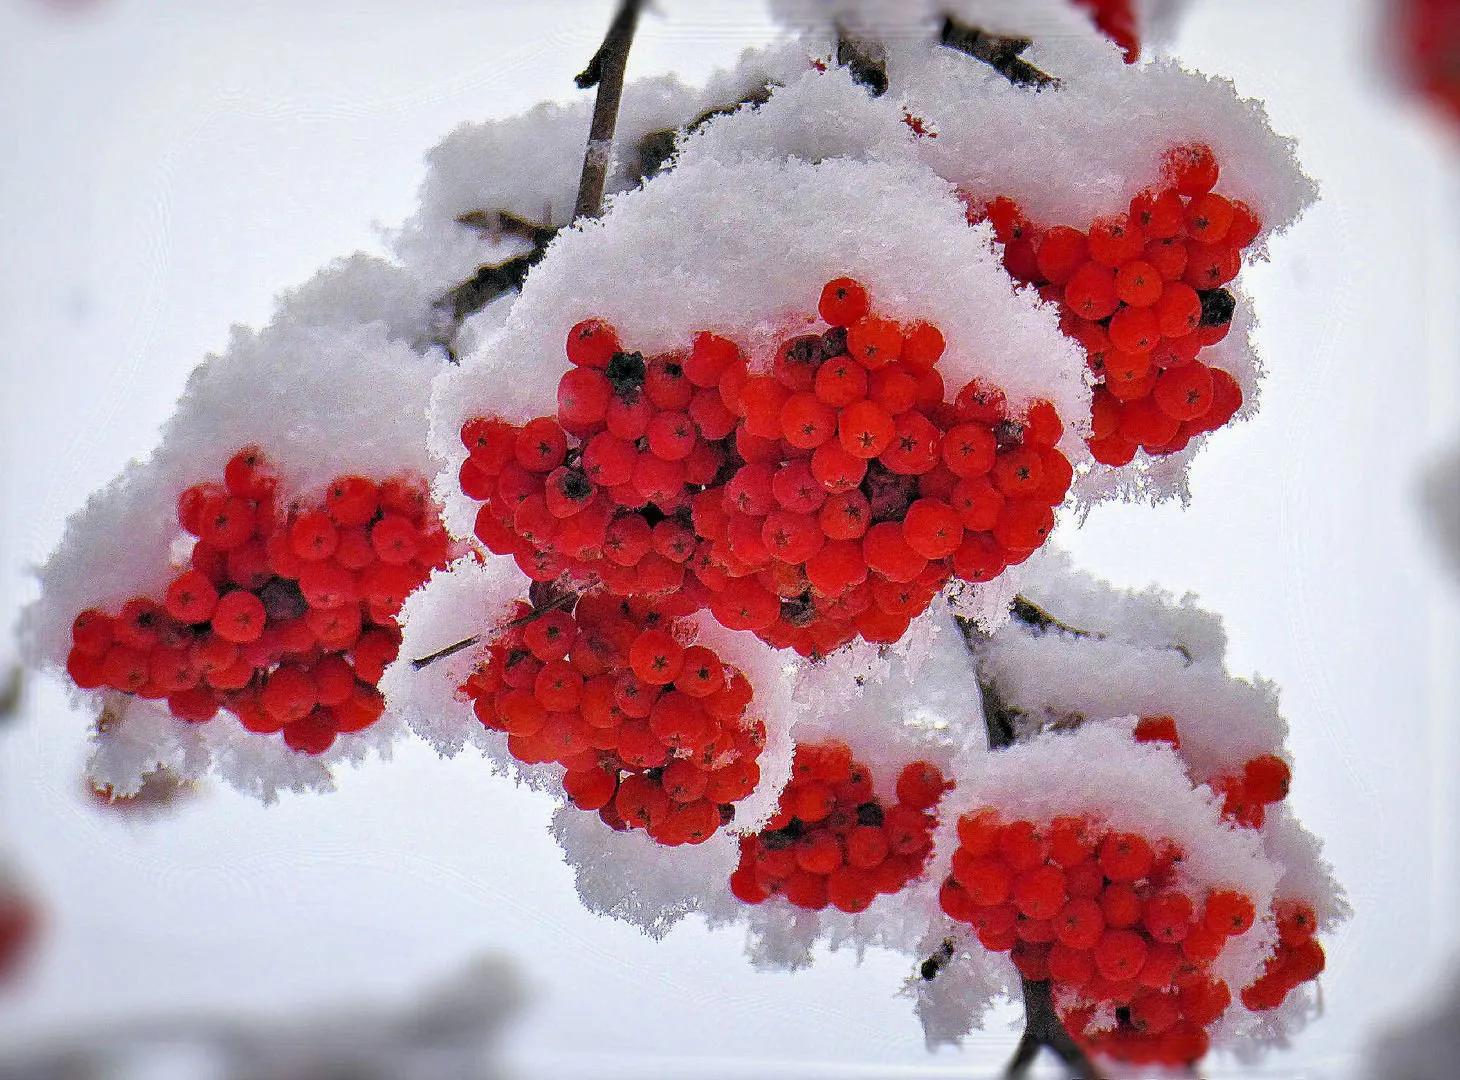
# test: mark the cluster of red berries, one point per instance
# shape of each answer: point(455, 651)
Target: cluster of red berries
point(1117, 21)
point(1143, 293)
point(833, 841)
point(1262, 781)
point(1297, 959)
point(1095, 911)
point(652, 731)
point(828, 497)
point(285, 616)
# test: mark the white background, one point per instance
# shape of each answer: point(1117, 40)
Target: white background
point(168, 167)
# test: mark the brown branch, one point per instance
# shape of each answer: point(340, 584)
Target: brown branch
point(657, 147)
point(606, 71)
point(554, 601)
point(865, 59)
point(1031, 614)
point(1044, 1029)
point(999, 717)
point(998, 52)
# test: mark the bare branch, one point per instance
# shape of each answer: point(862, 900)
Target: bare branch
point(551, 600)
point(999, 53)
point(442, 654)
point(606, 71)
point(1043, 1028)
point(865, 59)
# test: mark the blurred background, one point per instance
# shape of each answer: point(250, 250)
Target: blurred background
point(170, 167)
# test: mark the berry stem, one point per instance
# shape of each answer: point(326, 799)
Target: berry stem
point(559, 602)
point(999, 53)
point(1042, 1028)
point(443, 653)
point(606, 71)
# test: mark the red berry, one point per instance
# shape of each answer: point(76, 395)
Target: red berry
point(592, 343)
point(920, 785)
point(1192, 169)
point(238, 617)
point(1125, 857)
point(843, 301)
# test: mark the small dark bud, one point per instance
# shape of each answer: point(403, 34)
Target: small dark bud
point(282, 600)
point(1217, 307)
point(799, 610)
point(870, 813)
point(626, 373)
point(805, 350)
point(574, 485)
point(1009, 433)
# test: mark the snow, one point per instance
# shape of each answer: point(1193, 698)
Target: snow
point(762, 206)
point(742, 250)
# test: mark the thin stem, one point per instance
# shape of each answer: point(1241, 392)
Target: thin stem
point(442, 654)
point(558, 602)
point(998, 52)
point(606, 71)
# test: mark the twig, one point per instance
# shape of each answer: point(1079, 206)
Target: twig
point(606, 71)
point(1043, 1028)
point(999, 717)
point(657, 147)
point(559, 602)
point(1031, 614)
point(998, 52)
point(490, 282)
point(442, 654)
point(865, 59)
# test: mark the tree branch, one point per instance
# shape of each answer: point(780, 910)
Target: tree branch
point(543, 600)
point(1031, 614)
point(999, 53)
point(865, 59)
point(1043, 1029)
point(606, 71)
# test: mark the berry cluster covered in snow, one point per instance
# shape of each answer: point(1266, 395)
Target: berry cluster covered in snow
point(709, 475)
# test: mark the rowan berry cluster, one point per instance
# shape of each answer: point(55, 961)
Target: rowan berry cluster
point(1097, 911)
point(1297, 959)
point(1262, 781)
point(651, 728)
point(285, 616)
point(833, 841)
point(1143, 293)
point(830, 496)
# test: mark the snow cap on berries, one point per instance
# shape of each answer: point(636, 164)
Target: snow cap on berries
point(743, 250)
